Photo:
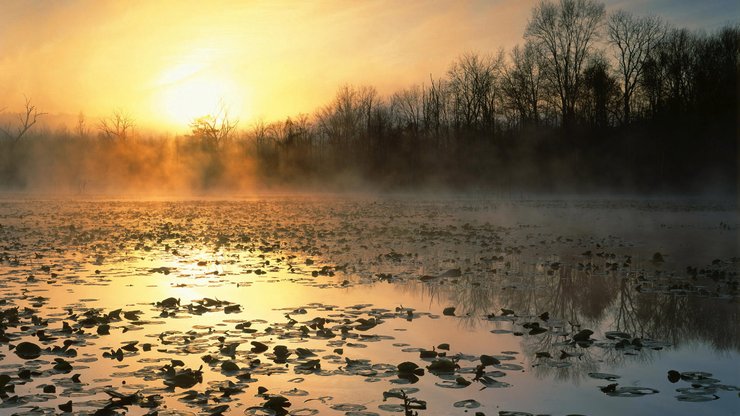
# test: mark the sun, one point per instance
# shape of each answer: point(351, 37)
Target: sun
point(189, 91)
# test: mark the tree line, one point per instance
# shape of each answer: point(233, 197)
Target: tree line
point(587, 101)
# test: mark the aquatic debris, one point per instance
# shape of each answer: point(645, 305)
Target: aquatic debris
point(617, 335)
point(168, 303)
point(674, 376)
point(487, 360)
point(103, 329)
point(232, 309)
point(534, 328)
point(309, 366)
point(304, 352)
point(348, 407)
point(467, 404)
point(66, 407)
point(217, 410)
point(119, 400)
point(428, 354)
point(565, 354)
point(703, 387)
point(62, 365)
point(462, 381)
point(627, 391)
point(258, 347)
point(408, 368)
point(28, 350)
point(281, 353)
point(114, 355)
point(365, 324)
point(274, 405)
point(229, 366)
point(490, 382)
point(442, 366)
point(185, 378)
point(410, 404)
point(603, 376)
point(583, 336)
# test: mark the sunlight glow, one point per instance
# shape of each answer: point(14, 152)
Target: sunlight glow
point(190, 90)
point(187, 100)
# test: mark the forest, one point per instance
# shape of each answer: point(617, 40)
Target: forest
point(589, 101)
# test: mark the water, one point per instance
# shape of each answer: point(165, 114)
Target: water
point(361, 285)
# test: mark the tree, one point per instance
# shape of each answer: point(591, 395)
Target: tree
point(473, 86)
point(26, 119)
point(407, 107)
point(435, 107)
point(522, 83)
point(670, 72)
point(81, 127)
point(634, 39)
point(345, 119)
point(601, 93)
point(214, 129)
point(118, 126)
point(565, 33)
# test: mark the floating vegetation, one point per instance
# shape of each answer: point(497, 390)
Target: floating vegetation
point(264, 310)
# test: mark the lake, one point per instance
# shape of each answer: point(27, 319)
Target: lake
point(369, 305)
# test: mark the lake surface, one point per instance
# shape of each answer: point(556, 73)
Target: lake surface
point(369, 306)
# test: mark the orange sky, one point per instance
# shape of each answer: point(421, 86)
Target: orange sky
point(165, 62)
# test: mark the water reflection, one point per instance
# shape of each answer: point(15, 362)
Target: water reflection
point(364, 288)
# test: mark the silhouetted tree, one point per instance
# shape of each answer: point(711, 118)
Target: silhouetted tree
point(716, 74)
point(565, 33)
point(214, 129)
point(634, 39)
point(601, 93)
point(26, 119)
point(81, 128)
point(118, 126)
point(407, 108)
point(472, 81)
point(436, 107)
point(522, 83)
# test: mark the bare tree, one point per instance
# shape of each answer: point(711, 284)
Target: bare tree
point(522, 82)
point(81, 128)
point(565, 32)
point(435, 106)
point(601, 95)
point(26, 119)
point(634, 39)
point(407, 107)
point(349, 115)
point(116, 127)
point(473, 85)
point(214, 129)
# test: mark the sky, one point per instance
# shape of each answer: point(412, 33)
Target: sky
point(166, 62)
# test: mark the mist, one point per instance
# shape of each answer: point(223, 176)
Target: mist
point(647, 108)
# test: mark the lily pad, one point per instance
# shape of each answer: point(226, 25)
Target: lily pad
point(467, 404)
point(28, 350)
point(604, 376)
